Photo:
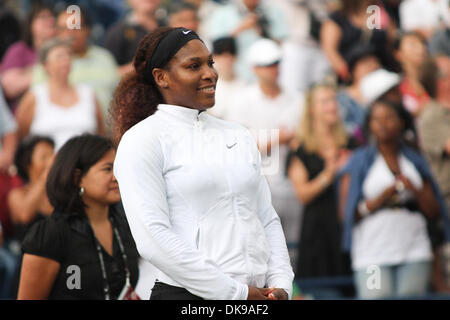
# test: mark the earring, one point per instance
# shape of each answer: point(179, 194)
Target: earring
point(81, 193)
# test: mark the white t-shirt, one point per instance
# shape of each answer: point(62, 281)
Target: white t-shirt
point(417, 14)
point(62, 123)
point(262, 114)
point(390, 236)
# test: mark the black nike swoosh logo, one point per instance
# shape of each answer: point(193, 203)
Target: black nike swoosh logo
point(229, 147)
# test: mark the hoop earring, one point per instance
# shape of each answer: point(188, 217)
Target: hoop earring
point(81, 192)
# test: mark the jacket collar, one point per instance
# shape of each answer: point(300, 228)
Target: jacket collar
point(183, 113)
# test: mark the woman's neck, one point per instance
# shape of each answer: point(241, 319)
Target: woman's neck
point(270, 90)
point(411, 72)
point(58, 84)
point(97, 214)
point(388, 149)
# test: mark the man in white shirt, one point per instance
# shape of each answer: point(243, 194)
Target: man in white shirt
point(424, 16)
point(263, 108)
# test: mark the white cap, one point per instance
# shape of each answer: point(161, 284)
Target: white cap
point(264, 52)
point(377, 83)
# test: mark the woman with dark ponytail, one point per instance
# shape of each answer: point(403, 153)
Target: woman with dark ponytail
point(198, 206)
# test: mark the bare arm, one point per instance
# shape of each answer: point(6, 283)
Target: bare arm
point(9, 142)
point(305, 189)
point(425, 197)
point(37, 277)
point(330, 36)
point(16, 81)
point(99, 117)
point(123, 70)
point(25, 114)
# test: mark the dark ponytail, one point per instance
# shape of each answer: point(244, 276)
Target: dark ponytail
point(135, 99)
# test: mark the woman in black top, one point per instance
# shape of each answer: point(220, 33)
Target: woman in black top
point(84, 250)
point(323, 147)
point(29, 203)
point(349, 28)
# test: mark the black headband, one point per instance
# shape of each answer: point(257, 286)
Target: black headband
point(167, 47)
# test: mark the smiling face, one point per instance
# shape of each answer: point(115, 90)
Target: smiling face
point(100, 185)
point(189, 79)
point(324, 106)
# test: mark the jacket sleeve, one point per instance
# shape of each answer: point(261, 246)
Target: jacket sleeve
point(279, 274)
point(139, 169)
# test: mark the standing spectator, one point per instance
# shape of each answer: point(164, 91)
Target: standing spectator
point(322, 147)
point(412, 53)
point(183, 14)
point(434, 122)
point(8, 143)
point(247, 21)
point(91, 65)
point(434, 130)
point(57, 108)
point(352, 107)
point(263, 107)
point(387, 197)
point(10, 29)
point(87, 229)
point(29, 203)
point(424, 16)
point(304, 63)
point(229, 87)
point(346, 29)
point(123, 37)
point(19, 59)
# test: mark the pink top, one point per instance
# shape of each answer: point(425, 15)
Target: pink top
point(18, 55)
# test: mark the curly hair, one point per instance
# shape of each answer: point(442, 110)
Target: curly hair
point(135, 99)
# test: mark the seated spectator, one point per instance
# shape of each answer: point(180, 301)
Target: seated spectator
point(304, 62)
point(18, 61)
point(57, 108)
point(92, 65)
point(388, 198)
point(29, 203)
point(411, 53)
point(183, 14)
point(247, 21)
point(87, 229)
point(321, 147)
point(347, 28)
point(228, 87)
point(352, 106)
point(434, 130)
point(123, 37)
point(263, 107)
point(423, 16)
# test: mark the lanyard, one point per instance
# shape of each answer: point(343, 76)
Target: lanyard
point(106, 288)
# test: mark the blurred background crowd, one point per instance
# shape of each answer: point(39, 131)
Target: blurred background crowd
point(359, 92)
